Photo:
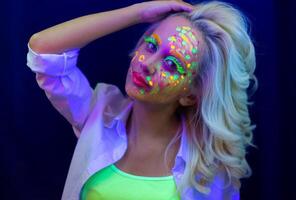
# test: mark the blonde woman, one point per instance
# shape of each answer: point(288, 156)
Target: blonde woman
point(183, 128)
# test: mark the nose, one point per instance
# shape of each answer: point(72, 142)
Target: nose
point(148, 67)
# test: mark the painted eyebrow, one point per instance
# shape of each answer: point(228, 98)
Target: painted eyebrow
point(178, 55)
point(154, 39)
point(151, 40)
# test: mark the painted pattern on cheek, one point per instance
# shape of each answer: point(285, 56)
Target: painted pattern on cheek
point(178, 44)
point(185, 40)
point(141, 58)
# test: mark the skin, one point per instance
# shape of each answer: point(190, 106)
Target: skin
point(153, 121)
point(167, 86)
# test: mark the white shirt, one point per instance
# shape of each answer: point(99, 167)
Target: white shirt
point(98, 118)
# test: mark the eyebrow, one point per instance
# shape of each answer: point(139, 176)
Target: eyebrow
point(155, 39)
point(178, 55)
point(151, 39)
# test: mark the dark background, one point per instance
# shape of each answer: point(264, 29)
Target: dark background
point(36, 142)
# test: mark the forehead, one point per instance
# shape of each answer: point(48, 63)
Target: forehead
point(171, 26)
point(178, 32)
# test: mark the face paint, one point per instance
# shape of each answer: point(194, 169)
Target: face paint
point(194, 50)
point(157, 38)
point(149, 39)
point(142, 91)
point(174, 68)
point(187, 57)
point(177, 63)
point(141, 58)
point(136, 54)
point(185, 39)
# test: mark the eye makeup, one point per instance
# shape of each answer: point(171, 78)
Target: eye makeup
point(149, 39)
point(179, 67)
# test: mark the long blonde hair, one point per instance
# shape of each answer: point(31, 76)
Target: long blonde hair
point(219, 124)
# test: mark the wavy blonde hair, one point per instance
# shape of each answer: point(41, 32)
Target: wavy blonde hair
point(219, 124)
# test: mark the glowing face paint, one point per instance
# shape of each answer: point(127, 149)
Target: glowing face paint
point(173, 63)
point(136, 54)
point(149, 39)
point(177, 63)
point(187, 57)
point(172, 39)
point(142, 91)
point(157, 38)
point(141, 58)
point(178, 43)
point(194, 50)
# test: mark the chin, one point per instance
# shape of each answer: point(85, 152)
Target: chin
point(135, 94)
point(146, 98)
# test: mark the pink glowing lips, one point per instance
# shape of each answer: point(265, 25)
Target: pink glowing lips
point(139, 80)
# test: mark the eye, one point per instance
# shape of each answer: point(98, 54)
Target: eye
point(151, 47)
point(151, 44)
point(173, 64)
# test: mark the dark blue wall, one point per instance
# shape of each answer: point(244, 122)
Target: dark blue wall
point(36, 142)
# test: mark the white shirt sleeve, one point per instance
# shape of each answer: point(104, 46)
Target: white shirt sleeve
point(64, 84)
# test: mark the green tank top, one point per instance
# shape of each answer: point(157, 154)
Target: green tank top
point(111, 183)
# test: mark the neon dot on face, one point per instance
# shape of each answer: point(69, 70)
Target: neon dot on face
point(141, 58)
point(157, 38)
point(194, 50)
point(186, 28)
point(176, 76)
point(187, 57)
point(142, 91)
point(172, 39)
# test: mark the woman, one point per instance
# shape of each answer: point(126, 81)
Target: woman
point(183, 129)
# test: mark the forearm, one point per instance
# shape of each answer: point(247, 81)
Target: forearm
point(80, 31)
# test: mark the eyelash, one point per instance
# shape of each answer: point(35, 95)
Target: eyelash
point(150, 40)
point(177, 63)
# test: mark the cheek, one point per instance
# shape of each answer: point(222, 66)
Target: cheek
point(171, 80)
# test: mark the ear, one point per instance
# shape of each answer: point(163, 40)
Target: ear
point(188, 100)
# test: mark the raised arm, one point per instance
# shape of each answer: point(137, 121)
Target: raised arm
point(53, 54)
point(80, 31)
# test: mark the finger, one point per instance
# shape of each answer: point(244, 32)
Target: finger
point(182, 8)
point(178, 6)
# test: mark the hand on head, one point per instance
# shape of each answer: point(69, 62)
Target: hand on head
point(155, 10)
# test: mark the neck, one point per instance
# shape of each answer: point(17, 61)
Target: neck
point(156, 124)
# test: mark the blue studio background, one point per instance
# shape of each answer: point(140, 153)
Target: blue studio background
point(37, 143)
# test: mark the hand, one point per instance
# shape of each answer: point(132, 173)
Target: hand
point(155, 10)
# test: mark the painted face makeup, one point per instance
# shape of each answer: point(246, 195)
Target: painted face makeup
point(172, 56)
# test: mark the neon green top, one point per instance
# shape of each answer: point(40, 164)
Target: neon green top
point(110, 183)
